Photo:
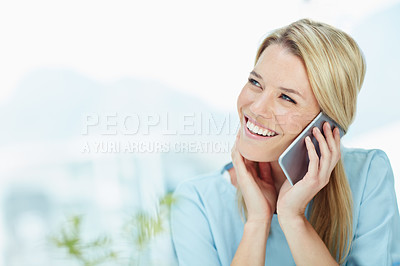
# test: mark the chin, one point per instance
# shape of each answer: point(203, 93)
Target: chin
point(257, 155)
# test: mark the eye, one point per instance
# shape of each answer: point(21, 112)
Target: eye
point(287, 98)
point(254, 82)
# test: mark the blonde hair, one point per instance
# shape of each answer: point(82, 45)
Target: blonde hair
point(336, 68)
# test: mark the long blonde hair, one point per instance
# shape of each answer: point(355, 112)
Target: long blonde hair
point(336, 68)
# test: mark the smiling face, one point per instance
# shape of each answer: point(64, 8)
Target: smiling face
point(275, 105)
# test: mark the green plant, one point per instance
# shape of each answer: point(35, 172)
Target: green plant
point(140, 231)
point(87, 253)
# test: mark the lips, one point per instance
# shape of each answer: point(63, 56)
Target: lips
point(258, 130)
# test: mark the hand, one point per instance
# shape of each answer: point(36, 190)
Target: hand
point(292, 200)
point(257, 186)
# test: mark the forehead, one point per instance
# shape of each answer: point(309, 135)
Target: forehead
point(279, 68)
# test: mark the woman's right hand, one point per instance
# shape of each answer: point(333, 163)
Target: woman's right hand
point(257, 186)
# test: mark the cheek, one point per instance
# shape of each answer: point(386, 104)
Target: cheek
point(288, 121)
point(239, 102)
point(292, 123)
point(244, 99)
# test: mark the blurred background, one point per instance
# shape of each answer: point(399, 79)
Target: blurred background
point(105, 106)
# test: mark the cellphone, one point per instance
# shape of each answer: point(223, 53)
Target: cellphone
point(294, 160)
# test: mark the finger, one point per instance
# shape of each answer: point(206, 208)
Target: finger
point(243, 175)
point(336, 135)
point(329, 136)
point(313, 157)
point(323, 146)
point(243, 168)
point(233, 152)
point(337, 153)
point(325, 161)
point(332, 141)
point(234, 147)
point(252, 167)
point(239, 166)
point(237, 159)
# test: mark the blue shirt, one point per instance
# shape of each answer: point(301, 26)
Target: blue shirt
point(207, 228)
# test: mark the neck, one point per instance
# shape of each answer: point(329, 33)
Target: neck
point(277, 174)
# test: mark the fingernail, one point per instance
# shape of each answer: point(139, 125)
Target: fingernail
point(329, 125)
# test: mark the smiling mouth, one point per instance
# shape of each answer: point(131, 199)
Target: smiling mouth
point(258, 130)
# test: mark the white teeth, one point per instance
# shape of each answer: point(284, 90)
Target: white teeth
point(265, 132)
point(251, 126)
point(258, 130)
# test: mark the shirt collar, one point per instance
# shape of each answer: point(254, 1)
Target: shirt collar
point(226, 167)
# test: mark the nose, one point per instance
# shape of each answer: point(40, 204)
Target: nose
point(263, 105)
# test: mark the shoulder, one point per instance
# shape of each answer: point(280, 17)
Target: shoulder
point(363, 156)
point(202, 186)
point(368, 171)
point(361, 162)
point(375, 211)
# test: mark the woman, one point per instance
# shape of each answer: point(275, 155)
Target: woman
point(343, 211)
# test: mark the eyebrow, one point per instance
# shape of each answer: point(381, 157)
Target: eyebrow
point(256, 74)
point(291, 91)
point(281, 88)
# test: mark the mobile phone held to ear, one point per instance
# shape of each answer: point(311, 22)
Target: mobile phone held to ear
point(294, 160)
